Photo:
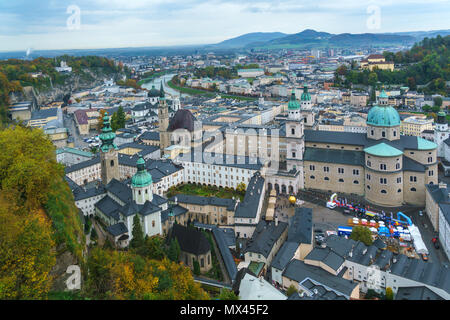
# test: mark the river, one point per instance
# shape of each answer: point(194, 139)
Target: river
point(157, 83)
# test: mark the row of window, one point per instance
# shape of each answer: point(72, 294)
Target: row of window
point(340, 170)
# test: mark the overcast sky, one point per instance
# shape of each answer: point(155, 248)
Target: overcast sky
point(46, 24)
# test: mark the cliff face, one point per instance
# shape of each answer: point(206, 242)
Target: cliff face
point(73, 83)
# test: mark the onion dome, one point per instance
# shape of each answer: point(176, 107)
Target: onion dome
point(305, 95)
point(153, 93)
point(142, 178)
point(107, 136)
point(293, 103)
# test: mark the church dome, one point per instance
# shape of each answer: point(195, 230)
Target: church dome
point(293, 103)
point(305, 95)
point(383, 116)
point(183, 119)
point(153, 93)
point(142, 178)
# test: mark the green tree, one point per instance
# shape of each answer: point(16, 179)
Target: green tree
point(174, 250)
point(94, 235)
point(437, 102)
point(363, 234)
point(152, 248)
point(138, 235)
point(426, 108)
point(436, 109)
point(241, 188)
point(291, 290)
point(227, 294)
point(196, 268)
point(373, 79)
point(389, 293)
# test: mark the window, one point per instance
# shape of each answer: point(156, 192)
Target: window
point(371, 132)
point(430, 159)
point(293, 131)
point(356, 182)
point(326, 169)
point(399, 180)
point(395, 133)
point(355, 172)
point(341, 180)
point(399, 190)
point(341, 170)
point(312, 177)
point(413, 189)
point(369, 164)
point(383, 180)
point(368, 177)
point(112, 163)
point(368, 187)
point(397, 166)
point(153, 223)
point(202, 262)
point(326, 179)
point(293, 155)
point(412, 179)
point(430, 173)
point(383, 134)
point(383, 166)
point(383, 191)
point(312, 168)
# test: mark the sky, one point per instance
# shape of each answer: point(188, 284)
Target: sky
point(91, 24)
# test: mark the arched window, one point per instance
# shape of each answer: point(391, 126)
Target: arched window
point(399, 190)
point(112, 163)
point(326, 179)
point(413, 189)
point(383, 191)
point(341, 180)
point(356, 182)
point(312, 177)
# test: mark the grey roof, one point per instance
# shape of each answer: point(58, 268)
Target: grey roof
point(227, 258)
point(44, 113)
point(109, 207)
point(349, 157)
point(248, 208)
point(300, 226)
point(412, 165)
point(185, 198)
point(226, 160)
point(80, 193)
point(190, 240)
point(265, 236)
point(358, 139)
point(150, 135)
point(284, 255)
point(117, 229)
point(416, 293)
point(176, 210)
point(326, 256)
point(439, 195)
point(383, 260)
point(340, 245)
point(120, 190)
point(82, 165)
point(299, 271)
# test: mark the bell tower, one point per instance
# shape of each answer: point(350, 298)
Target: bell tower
point(109, 156)
point(163, 118)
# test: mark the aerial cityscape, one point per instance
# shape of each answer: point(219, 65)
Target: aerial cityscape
point(224, 150)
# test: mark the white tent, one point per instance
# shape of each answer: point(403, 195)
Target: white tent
point(419, 245)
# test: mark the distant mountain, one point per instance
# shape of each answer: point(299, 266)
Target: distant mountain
point(249, 38)
point(314, 39)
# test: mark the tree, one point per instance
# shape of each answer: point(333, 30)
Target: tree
point(174, 250)
point(426, 108)
point(438, 102)
point(241, 188)
point(118, 119)
point(291, 290)
point(389, 294)
point(227, 294)
point(196, 268)
point(363, 234)
point(152, 248)
point(436, 109)
point(138, 235)
point(373, 79)
point(94, 235)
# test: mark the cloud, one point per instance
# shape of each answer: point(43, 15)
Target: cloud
point(119, 23)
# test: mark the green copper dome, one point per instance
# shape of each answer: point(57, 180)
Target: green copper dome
point(153, 93)
point(107, 136)
point(305, 95)
point(142, 178)
point(383, 116)
point(383, 94)
point(293, 103)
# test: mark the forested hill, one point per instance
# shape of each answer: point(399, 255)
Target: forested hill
point(41, 74)
point(426, 64)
